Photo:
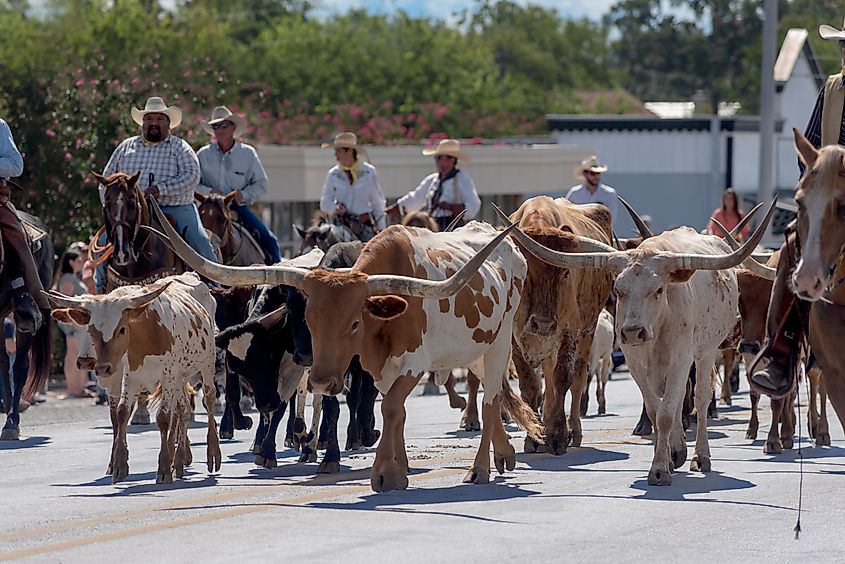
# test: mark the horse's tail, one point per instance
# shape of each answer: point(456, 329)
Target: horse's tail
point(41, 356)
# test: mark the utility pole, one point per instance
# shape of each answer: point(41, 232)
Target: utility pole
point(766, 188)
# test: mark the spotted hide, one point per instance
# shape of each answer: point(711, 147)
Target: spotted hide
point(557, 316)
point(404, 309)
point(149, 338)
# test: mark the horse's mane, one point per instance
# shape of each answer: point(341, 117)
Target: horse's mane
point(420, 219)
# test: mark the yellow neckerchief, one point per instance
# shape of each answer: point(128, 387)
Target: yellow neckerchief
point(352, 170)
point(151, 143)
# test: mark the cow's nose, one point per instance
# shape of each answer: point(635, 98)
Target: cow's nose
point(85, 363)
point(541, 325)
point(303, 359)
point(103, 369)
point(635, 334)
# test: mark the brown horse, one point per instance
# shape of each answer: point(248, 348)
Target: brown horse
point(420, 219)
point(134, 254)
point(234, 245)
point(820, 272)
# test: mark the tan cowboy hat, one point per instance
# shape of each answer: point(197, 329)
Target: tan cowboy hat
point(155, 105)
point(448, 147)
point(346, 139)
point(592, 164)
point(830, 32)
point(221, 114)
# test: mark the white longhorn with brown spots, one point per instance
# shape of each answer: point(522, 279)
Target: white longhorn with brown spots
point(143, 338)
point(405, 310)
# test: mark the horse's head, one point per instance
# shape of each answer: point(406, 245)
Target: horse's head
point(821, 218)
point(124, 212)
point(216, 213)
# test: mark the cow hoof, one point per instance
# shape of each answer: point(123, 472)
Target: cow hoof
point(477, 476)
point(822, 439)
point(642, 429)
point(726, 400)
point(772, 447)
point(179, 471)
point(227, 435)
point(699, 464)
point(530, 445)
point(141, 417)
point(659, 477)
point(308, 455)
point(679, 457)
point(787, 443)
point(751, 434)
point(328, 467)
point(11, 434)
point(214, 457)
point(243, 423)
point(390, 478)
point(164, 477)
point(505, 460)
point(556, 446)
point(371, 438)
point(575, 439)
point(602, 410)
point(353, 445)
point(120, 473)
point(458, 402)
point(255, 448)
point(470, 423)
point(266, 462)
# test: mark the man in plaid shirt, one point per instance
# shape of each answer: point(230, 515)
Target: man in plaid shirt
point(169, 168)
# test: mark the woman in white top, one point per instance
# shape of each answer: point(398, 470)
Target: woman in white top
point(351, 192)
point(444, 193)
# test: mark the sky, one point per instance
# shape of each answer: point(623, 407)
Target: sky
point(592, 9)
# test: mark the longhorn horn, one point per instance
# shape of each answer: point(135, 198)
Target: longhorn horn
point(229, 275)
point(385, 284)
point(761, 270)
point(139, 301)
point(596, 256)
point(455, 221)
point(645, 232)
point(61, 300)
point(722, 262)
point(745, 220)
point(595, 259)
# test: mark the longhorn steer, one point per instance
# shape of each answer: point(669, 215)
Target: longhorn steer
point(676, 302)
point(557, 315)
point(145, 337)
point(438, 323)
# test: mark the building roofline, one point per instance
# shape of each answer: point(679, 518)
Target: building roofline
point(574, 122)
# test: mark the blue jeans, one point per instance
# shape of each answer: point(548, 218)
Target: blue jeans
point(255, 226)
point(187, 220)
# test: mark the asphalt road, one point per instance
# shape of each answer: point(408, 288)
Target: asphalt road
point(591, 504)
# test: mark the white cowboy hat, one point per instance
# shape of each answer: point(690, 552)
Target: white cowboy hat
point(346, 139)
point(221, 114)
point(830, 32)
point(155, 105)
point(448, 147)
point(592, 164)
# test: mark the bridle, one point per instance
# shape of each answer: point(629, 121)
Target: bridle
point(228, 223)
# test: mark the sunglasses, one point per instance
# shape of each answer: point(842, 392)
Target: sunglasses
point(221, 125)
point(591, 173)
point(442, 157)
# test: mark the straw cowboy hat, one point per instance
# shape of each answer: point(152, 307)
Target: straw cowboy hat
point(221, 114)
point(592, 164)
point(830, 32)
point(448, 147)
point(346, 139)
point(156, 105)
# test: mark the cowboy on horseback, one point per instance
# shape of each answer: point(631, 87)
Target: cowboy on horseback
point(228, 166)
point(351, 193)
point(445, 193)
point(26, 286)
point(169, 172)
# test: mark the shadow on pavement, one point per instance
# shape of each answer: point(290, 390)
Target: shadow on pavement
point(693, 483)
point(29, 442)
point(575, 456)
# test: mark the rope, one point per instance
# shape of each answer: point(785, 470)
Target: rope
point(105, 252)
point(802, 373)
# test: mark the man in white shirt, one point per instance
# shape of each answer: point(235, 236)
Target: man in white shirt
point(445, 193)
point(228, 165)
point(591, 190)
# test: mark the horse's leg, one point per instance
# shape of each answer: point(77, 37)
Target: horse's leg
point(23, 344)
point(11, 432)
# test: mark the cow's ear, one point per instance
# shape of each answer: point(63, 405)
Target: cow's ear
point(678, 276)
point(71, 315)
point(386, 307)
point(299, 230)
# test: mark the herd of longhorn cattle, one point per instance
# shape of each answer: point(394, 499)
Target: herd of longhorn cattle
point(377, 317)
